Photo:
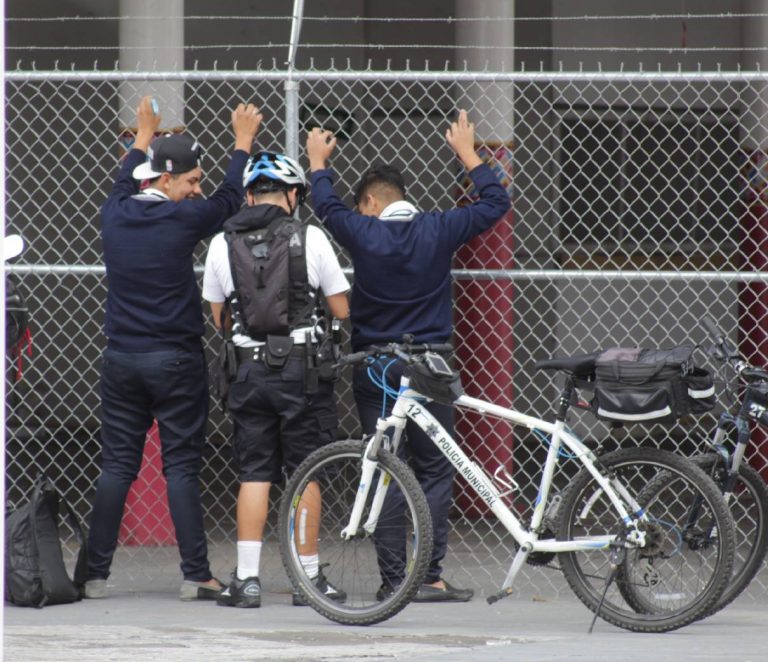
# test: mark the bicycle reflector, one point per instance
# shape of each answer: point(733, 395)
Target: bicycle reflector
point(434, 378)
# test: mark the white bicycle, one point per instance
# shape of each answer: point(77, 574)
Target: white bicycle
point(622, 549)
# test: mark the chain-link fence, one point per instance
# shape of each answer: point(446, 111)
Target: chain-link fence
point(638, 208)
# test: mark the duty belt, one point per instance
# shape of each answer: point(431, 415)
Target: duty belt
point(257, 353)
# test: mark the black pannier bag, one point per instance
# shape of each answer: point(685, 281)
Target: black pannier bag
point(434, 378)
point(635, 385)
point(35, 573)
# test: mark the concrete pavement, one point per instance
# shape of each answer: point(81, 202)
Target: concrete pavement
point(155, 625)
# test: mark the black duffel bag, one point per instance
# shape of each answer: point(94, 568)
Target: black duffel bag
point(635, 385)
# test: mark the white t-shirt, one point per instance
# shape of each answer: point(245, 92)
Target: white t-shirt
point(323, 272)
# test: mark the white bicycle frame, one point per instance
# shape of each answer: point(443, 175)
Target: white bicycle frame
point(410, 405)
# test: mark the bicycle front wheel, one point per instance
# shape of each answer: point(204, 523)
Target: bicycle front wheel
point(316, 506)
point(748, 504)
point(661, 583)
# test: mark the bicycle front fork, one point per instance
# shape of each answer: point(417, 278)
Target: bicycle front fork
point(370, 464)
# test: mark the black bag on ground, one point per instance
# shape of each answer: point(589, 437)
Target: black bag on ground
point(35, 574)
point(635, 385)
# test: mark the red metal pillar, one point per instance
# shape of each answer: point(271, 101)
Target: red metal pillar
point(146, 519)
point(753, 297)
point(484, 339)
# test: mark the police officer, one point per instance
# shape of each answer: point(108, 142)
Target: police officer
point(280, 413)
point(402, 261)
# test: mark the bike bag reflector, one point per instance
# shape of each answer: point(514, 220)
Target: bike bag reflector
point(434, 378)
point(635, 385)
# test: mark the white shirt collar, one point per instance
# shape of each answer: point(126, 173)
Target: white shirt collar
point(151, 194)
point(402, 210)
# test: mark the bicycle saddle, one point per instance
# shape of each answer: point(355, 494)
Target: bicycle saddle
point(582, 365)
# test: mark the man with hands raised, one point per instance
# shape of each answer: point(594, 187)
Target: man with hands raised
point(402, 284)
point(153, 367)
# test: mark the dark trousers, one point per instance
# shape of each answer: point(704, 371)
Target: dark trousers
point(172, 387)
point(433, 471)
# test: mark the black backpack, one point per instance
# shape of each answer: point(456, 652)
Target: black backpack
point(271, 293)
point(35, 574)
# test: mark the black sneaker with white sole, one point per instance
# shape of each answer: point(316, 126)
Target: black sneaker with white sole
point(324, 586)
point(241, 593)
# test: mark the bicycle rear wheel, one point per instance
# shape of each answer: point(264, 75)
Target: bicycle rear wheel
point(748, 504)
point(663, 584)
point(332, 474)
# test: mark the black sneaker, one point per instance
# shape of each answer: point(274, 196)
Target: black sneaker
point(324, 586)
point(241, 593)
point(385, 590)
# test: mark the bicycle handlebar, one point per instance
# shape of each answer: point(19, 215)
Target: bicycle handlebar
point(404, 350)
point(712, 330)
point(728, 353)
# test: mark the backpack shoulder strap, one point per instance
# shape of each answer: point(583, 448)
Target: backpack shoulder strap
point(302, 293)
point(81, 566)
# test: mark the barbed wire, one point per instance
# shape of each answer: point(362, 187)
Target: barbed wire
point(394, 19)
point(373, 46)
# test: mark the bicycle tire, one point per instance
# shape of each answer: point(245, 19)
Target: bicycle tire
point(352, 566)
point(749, 509)
point(657, 587)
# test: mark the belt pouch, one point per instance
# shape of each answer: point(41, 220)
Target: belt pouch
point(311, 372)
point(230, 360)
point(278, 349)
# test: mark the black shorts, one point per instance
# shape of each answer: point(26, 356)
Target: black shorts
point(276, 424)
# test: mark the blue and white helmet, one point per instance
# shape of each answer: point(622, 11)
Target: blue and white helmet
point(268, 171)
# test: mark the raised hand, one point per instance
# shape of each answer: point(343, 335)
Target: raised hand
point(147, 124)
point(246, 122)
point(320, 146)
point(461, 137)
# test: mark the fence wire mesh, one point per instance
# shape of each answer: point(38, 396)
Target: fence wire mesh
point(639, 207)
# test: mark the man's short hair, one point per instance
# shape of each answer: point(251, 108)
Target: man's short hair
point(382, 175)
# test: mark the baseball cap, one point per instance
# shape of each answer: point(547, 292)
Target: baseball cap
point(173, 154)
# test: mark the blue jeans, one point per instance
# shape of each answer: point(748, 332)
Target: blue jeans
point(433, 471)
point(136, 388)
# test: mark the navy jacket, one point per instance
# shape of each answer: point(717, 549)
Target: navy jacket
point(153, 301)
point(403, 268)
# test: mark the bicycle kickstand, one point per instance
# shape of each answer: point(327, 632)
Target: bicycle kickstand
point(617, 558)
point(517, 563)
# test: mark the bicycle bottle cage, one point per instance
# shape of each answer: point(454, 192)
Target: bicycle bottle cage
point(434, 378)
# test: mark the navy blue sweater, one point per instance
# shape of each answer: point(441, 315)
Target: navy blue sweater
point(403, 268)
point(153, 301)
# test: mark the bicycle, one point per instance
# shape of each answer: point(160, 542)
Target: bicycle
point(615, 551)
point(744, 490)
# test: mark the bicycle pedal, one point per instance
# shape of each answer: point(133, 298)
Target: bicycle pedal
point(504, 593)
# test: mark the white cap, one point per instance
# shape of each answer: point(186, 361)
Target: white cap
point(13, 244)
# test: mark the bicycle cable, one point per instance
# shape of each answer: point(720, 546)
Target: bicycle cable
point(381, 382)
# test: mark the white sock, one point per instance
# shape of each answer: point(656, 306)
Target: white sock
point(248, 558)
point(311, 564)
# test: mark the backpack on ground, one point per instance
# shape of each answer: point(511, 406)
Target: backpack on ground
point(271, 293)
point(35, 573)
point(635, 385)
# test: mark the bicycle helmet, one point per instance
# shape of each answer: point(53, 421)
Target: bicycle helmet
point(266, 172)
